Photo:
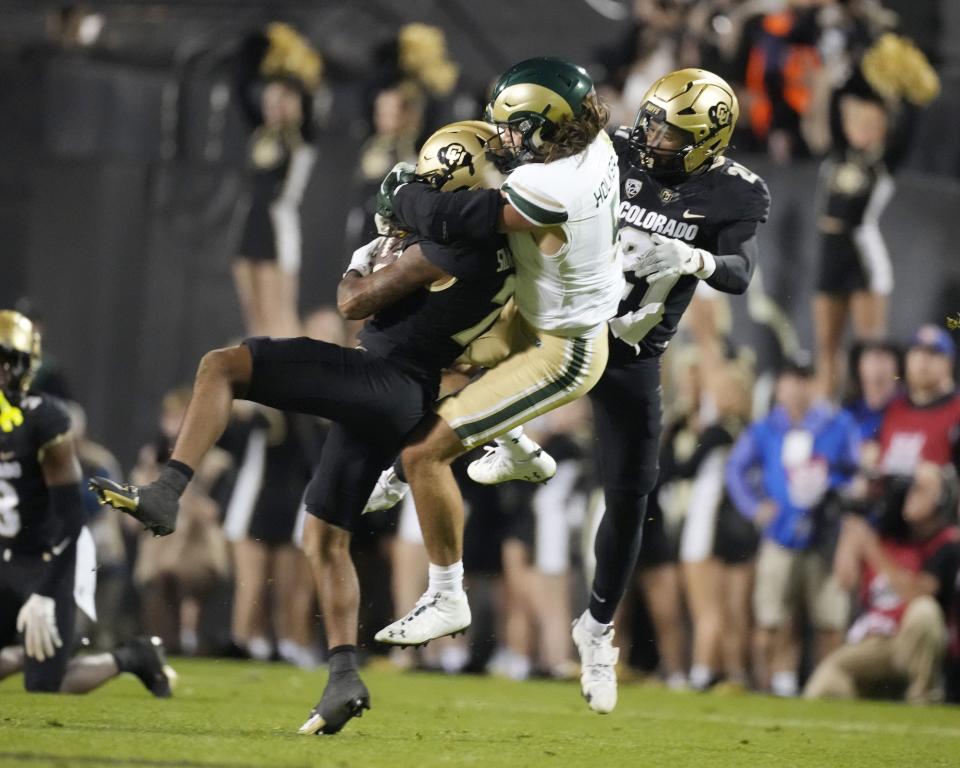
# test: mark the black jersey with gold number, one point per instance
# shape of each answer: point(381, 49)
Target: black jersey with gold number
point(427, 330)
point(26, 524)
point(717, 210)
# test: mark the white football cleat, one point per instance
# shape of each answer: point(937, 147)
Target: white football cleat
point(389, 492)
point(498, 466)
point(598, 667)
point(436, 614)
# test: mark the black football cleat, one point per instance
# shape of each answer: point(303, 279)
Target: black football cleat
point(146, 658)
point(155, 505)
point(345, 697)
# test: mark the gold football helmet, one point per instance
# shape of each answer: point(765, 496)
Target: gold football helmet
point(685, 122)
point(19, 353)
point(456, 157)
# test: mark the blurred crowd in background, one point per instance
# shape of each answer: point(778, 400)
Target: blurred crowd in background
point(859, 440)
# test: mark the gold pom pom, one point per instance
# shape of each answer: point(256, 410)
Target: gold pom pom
point(423, 55)
point(896, 69)
point(289, 54)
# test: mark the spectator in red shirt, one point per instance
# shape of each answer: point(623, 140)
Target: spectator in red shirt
point(924, 423)
point(906, 569)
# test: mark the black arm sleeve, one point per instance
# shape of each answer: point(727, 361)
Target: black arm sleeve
point(448, 216)
point(66, 506)
point(737, 258)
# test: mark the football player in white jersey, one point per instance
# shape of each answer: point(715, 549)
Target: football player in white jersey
point(558, 206)
point(688, 214)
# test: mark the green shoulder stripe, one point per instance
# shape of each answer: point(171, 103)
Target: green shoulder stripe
point(531, 211)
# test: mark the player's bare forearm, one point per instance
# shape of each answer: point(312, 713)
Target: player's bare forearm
point(360, 297)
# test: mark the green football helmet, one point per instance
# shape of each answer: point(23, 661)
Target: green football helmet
point(531, 99)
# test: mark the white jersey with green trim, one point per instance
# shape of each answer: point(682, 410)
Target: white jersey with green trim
point(575, 291)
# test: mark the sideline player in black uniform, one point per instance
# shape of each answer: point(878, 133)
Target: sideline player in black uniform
point(41, 519)
point(687, 213)
point(429, 304)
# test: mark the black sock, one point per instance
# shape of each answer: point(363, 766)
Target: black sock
point(617, 547)
point(398, 468)
point(175, 475)
point(343, 658)
point(126, 658)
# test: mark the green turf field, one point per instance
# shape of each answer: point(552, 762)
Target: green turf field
point(246, 714)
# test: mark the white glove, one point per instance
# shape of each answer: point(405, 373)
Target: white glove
point(674, 257)
point(384, 225)
point(37, 621)
point(633, 326)
point(362, 259)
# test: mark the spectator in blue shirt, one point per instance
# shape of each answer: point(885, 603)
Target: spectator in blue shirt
point(782, 471)
point(877, 371)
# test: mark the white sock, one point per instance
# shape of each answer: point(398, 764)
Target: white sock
point(593, 627)
point(259, 648)
point(784, 683)
point(700, 676)
point(446, 578)
point(518, 445)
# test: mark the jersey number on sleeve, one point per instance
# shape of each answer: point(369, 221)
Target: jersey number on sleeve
point(735, 169)
point(9, 515)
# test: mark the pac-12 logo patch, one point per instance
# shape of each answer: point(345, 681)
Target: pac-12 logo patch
point(631, 187)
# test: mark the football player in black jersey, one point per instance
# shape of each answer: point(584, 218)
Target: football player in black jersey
point(41, 520)
point(687, 213)
point(425, 308)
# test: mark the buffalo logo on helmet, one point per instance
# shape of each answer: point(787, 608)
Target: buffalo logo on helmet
point(720, 114)
point(454, 156)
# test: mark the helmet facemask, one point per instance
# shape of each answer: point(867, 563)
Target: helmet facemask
point(520, 140)
point(19, 354)
point(660, 148)
point(16, 368)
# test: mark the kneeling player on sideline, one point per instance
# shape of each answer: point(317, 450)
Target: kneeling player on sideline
point(41, 523)
point(559, 207)
point(429, 305)
point(687, 214)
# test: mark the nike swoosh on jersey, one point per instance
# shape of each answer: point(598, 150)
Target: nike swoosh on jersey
point(688, 215)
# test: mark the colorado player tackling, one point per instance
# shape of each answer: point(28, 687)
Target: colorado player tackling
point(687, 213)
point(423, 310)
point(558, 206)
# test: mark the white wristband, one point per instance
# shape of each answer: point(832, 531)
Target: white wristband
point(709, 264)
